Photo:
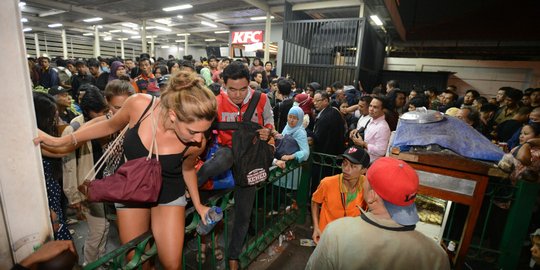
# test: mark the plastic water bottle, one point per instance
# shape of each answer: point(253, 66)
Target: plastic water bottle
point(213, 216)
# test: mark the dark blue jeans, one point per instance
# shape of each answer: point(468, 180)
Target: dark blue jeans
point(243, 205)
point(219, 163)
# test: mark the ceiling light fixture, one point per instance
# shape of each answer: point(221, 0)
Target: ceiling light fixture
point(51, 12)
point(23, 20)
point(27, 29)
point(179, 16)
point(163, 28)
point(165, 46)
point(136, 37)
point(260, 18)
point(131, 25)
point(179, 40)
point(129, 31)
point(222, 32)
point(210, 39)
point(208, 24)
point(123, 38)
point(96, 19)
point(177, 7)
point(376, 20)
point(22, 4)
point(165, 21)
point(116, 31)
point(88, 34)
point(54, 25)
point(108, 38)
point(184, 34)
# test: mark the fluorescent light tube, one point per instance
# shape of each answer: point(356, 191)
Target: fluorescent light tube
point(376, 20)
point(93, 19)
point(177, 7)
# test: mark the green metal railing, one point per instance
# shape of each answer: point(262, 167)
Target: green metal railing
point(279, 202)
point(283, 200)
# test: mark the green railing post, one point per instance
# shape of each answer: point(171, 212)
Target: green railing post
point(517, 224)
point(302, 194)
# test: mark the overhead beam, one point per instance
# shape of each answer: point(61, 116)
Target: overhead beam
point(91, 12)
point(396, 18)
point(259, 4)
point(326, 4)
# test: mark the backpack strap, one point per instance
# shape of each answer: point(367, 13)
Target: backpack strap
point(246, 117)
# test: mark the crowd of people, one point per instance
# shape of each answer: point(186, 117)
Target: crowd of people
point(83, 105)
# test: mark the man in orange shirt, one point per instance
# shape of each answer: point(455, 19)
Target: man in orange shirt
point(340, 195)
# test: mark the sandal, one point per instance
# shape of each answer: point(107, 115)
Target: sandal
point(218, 254)
point(202, 258)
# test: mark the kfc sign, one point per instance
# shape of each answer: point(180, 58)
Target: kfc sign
point(247, 37)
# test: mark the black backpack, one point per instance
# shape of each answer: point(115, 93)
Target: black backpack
point(252, 157)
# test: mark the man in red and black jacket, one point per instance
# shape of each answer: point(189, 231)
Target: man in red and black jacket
point(232, 103)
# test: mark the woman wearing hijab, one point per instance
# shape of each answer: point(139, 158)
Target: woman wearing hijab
point(295, 129)
point(117, 70)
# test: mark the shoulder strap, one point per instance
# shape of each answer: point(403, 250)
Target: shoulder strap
point(369, 120)
point(251, 107)
point(145, 111)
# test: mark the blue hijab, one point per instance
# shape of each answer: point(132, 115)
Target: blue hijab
point(296, 111)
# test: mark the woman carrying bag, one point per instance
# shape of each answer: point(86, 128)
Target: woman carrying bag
point(180, 117)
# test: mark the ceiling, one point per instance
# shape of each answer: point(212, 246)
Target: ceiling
point(478, 29)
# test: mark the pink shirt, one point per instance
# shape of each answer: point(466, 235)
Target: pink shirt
point(376, 136)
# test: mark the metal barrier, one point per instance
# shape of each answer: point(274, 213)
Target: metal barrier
point(502, 227)
point(279, 202)
point(283, 200)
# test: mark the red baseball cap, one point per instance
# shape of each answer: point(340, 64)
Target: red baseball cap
point(396, 182)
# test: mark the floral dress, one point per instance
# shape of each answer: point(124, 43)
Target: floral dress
point(54, 193)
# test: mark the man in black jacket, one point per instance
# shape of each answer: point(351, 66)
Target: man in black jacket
point(328, 134)
point(281, 110)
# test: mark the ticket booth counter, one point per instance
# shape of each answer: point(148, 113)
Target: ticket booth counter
point(453, 178)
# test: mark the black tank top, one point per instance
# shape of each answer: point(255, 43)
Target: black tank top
point(171, 165)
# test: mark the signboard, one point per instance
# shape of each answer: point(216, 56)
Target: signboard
point(247, 37)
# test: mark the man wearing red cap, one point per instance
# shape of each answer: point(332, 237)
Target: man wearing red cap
point(385, 236)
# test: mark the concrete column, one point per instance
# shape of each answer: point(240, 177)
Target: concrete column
point(185, 46)
point(143, 36)
point(64, 44)
point(97, 49)
point(24, 209)
point(152, 52)
point(122, 48)
point(36, 41)
point(267, 30)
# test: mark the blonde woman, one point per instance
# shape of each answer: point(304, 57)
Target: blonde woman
point(184, 112)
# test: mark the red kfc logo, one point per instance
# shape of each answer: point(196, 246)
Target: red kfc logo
point(247, 37)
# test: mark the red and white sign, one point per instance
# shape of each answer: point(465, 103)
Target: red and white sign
point(247, 37)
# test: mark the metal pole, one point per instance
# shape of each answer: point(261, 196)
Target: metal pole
point(97, 50)
point(122, 48)
point(185, 46)
point(361, 28)
point(64, 44)
point(267, 37)
point(143, 37)
point(152, 49)
point(36, 41)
